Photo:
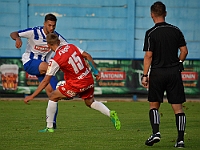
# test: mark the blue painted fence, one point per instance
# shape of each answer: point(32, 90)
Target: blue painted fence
point(107, 29)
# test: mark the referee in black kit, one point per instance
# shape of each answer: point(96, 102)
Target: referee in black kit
point(164, 66)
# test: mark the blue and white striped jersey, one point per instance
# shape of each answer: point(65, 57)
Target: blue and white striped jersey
point(37, 45)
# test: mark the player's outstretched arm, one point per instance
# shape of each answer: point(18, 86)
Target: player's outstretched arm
point(41, 86)
point(15, 36)
point(92, 65)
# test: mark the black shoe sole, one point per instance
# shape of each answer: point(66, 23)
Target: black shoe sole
point(180, 146)
point(152, 142)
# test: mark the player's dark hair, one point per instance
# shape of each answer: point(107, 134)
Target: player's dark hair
point(158, 8)
point(52, 38)
point(50, 17)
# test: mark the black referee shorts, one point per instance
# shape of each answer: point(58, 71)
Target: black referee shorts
point(169, 80)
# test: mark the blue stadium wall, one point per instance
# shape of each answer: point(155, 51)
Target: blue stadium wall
point(108, 29)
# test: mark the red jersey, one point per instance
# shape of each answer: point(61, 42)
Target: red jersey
point(68, 58)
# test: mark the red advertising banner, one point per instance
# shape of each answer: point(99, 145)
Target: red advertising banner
point(189, 76)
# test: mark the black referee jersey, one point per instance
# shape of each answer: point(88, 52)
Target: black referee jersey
point(164, 41)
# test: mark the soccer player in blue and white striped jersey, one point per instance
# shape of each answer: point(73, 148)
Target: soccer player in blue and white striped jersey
point(37, 54)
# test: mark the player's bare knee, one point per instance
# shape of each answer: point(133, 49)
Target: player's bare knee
point(43, 67)
point(88, 102)
point(54, 98)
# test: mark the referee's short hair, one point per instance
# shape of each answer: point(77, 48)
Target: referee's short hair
point(158, 8)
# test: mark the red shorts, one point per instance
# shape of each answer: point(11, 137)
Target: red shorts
point(86, 92)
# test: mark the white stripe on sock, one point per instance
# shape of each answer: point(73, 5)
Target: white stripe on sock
point(182, 122)
point(156, 117)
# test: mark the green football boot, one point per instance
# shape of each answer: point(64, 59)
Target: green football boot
point(115, 120)
point(47, 130)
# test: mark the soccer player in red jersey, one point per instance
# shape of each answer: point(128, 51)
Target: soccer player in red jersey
point(79, 80)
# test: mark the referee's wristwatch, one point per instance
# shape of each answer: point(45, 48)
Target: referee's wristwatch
point(144, 75)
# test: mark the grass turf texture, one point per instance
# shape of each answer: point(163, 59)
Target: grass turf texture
point(81, 128)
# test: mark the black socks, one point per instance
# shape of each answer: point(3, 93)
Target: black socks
point(180, 124)
point(154, 120)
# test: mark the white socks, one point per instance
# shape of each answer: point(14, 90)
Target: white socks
point(100, 107)
point(50, 112)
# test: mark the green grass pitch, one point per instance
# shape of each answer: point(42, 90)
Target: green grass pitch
point(81, 128)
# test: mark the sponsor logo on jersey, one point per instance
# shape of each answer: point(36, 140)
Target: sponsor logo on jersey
point(63, 89)
point(83, 74)
point(50, 63)
point(42, 48)
point(71, 93)
point(84, 89)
